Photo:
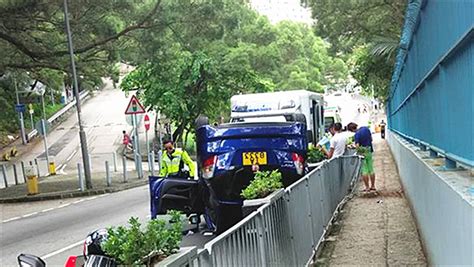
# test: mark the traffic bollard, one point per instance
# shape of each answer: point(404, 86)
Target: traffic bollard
point(81, 179)
point(114, 156)
point(4, 172)
point(37, 168)
point(107, 174)
point(32, 180)
point(52, 166)
point(139, 166)
point(15, 174)
point(23, 170)
point(152, 163)
point(124, 165)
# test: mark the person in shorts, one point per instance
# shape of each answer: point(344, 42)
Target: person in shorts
point(363, 138)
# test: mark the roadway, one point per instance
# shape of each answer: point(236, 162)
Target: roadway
point(58, 230)
point(104, 120)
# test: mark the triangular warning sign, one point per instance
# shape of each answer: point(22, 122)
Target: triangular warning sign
point(134, 107)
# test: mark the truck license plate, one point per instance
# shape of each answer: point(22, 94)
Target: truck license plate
point(254, 158)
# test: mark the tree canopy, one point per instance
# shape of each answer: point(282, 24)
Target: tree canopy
point(220, 48)
point(367, 32)
point(190, 56)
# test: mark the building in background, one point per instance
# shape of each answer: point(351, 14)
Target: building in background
point(278, 10)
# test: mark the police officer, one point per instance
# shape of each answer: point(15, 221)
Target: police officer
point(172, 162)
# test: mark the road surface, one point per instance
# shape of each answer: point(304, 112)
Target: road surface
point(104, 120)
point(57, 229)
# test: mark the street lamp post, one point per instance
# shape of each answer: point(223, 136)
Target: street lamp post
point(82, 134)
point(20, 114)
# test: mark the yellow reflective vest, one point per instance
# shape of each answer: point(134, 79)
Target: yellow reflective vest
point(171, 165)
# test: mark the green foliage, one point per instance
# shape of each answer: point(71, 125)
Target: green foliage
point(368, 32)
point(315, 155)
point(130, 245)
point(263, 184)
point(362, 150)
point(220, 48)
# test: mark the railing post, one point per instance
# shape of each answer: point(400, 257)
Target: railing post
point(107, 174)
point(151, 160)
point(4, 172)
point(15, 174)
point(261, 240)
point(310, 217)
point(124, 165)
point(81, 178)
point(114, 155)
point(37, 168)
point(23, 171)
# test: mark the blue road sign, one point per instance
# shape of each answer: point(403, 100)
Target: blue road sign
point(20, 108)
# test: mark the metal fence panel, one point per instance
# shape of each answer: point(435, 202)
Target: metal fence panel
point(287, 230)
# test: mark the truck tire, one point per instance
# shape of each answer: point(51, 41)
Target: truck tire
point(201, 121)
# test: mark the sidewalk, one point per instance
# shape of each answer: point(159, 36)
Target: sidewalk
point(376, 229)
point(67, 186)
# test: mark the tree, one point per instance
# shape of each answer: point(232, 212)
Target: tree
point(369, 30)
point(32, 36)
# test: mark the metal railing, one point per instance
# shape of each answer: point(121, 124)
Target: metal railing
point(288, 230)
point(60, 113)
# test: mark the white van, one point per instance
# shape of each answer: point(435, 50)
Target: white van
point(280, 107)
point(331, 116)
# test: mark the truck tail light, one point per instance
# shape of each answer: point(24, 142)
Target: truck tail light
point(298, 160)
point(208, 167)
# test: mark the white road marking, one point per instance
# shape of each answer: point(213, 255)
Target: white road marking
point(54, 253)
point(79, 201)
point(46, 210)
point(55, 208)
point(70, 156)
point(11, 219)
point(29, 214)
point(64, 205)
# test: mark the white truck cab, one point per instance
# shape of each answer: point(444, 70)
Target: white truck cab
point(280, 107)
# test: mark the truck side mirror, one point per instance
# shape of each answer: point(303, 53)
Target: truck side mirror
point(27, 260)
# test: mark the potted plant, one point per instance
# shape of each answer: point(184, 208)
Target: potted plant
point(261, 190)
point(315, 156)
point(136, 245)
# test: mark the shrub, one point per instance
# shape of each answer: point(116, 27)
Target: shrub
point(315, 154)
point(131, 245)
point(263, 184)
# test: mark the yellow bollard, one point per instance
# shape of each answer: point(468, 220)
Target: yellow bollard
point(52, 167)
point(31, 180)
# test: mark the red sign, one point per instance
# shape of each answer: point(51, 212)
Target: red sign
point(147, 122)
point(134, 107)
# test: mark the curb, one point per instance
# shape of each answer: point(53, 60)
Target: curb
point(72, 193)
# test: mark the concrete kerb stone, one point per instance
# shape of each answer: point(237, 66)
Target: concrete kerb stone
point(73, 193)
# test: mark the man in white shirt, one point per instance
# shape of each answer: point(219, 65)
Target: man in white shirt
point(338, 142)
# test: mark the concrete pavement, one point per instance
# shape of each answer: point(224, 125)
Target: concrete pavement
point(376, 229)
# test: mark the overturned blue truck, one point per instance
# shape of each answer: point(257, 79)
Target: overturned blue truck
point(267, 131)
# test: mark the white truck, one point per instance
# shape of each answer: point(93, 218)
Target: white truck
point(280, 107)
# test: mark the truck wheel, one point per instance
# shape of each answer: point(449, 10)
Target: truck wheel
point(201, 121)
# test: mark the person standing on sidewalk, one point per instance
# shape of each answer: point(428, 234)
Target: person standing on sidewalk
point(337, 143)
point(382, 129)
point(363, 138)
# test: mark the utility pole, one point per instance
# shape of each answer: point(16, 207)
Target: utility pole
point(43, 129)
point(82, 134)
point(20, 115)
